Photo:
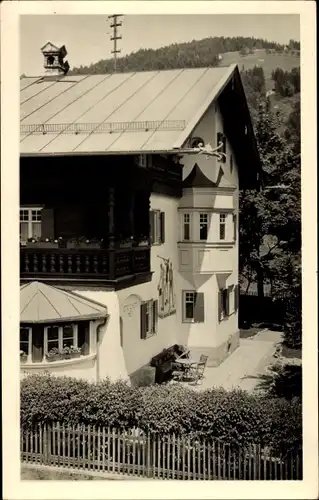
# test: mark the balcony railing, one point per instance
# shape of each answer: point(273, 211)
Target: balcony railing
point(98, 264)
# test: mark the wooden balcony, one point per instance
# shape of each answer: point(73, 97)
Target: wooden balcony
point(114, 269)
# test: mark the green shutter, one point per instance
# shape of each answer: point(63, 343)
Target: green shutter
point(155, 315)
point(47, 223)
point(228, 300)
point(143, 320)
point(224, 147)
point(220, 305)
point(152, 226)
point(219, 138)
point(162, 226)
point(199, 308)
point(235, 226)
point(236, 291)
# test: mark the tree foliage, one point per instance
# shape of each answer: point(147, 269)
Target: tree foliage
point(194, 54)
point(287, 83)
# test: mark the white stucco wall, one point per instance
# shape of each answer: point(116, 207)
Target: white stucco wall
point(137, 351)
point(201, 263)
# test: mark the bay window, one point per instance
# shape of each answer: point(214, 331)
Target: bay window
point(203, 226)
point(222, 226)
point(59, 337)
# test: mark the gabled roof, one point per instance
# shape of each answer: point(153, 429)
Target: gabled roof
point(148, 111)
point(196, 178)
point(41, 303)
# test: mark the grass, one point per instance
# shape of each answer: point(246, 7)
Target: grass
point(249, 332)
point(48, 474)
point(268, 62)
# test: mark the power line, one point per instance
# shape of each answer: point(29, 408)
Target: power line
point(115, 24)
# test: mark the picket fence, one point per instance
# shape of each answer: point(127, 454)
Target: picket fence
point(134, 453)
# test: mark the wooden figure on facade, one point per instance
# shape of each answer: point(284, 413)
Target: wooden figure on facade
point(167, 303)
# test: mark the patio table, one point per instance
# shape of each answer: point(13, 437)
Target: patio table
point(186, 364)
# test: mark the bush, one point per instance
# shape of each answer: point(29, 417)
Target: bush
point(143, 377)
point(235, 417)
point(283, 381)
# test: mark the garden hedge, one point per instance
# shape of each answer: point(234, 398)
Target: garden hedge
point(233, 416)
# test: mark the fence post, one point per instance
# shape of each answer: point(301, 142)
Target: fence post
point(148, 474)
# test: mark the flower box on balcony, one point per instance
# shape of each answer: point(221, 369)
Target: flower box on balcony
point(83, 244)
point(144, 243)
point(126, 244)
point(42, 244)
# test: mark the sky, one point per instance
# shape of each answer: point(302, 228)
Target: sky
point(87, 38)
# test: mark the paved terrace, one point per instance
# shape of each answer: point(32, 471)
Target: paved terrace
point(250, 359)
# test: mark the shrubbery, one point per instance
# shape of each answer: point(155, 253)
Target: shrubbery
point(235, 416)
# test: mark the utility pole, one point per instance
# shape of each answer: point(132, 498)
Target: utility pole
point(115, 24)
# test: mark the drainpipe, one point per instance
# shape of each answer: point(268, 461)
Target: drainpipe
point(98, 328)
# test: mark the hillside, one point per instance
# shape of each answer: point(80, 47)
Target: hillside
point(197, 53)
point(269, 62)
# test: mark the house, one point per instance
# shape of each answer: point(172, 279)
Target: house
point(128, 218)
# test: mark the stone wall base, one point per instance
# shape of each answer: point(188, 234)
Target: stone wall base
point(216, 354)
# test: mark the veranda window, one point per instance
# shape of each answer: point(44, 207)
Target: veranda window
point(59, 337)
point(30, 223)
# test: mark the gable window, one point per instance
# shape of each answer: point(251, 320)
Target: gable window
point(30, 223)
point(222, 226)
point(186, 227)
point(25, 342)
point(59, 337)
point(203, 226)
point(193, 307)
point(157, 223)
point(149, 318)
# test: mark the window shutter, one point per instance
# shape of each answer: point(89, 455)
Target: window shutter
point(236, 291)
point(219, 138)
point(47, 223)
point(224, 147)
point(228, 301)
point(155, 315)
point(199, 309)
point(162, 226)
point(152, 226)
point(220, 305)
point(143, 320)
point(235, 226)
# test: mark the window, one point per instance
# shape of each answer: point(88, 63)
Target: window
point(223, 297)
point(196, 141)
point(203, 226)
point(228, 299)
point(149, 318)
point(30, 223)
point(25, 340)
point(186, 228)
point(60, 336)
point(222, 226)
point(193, 307)
point(143, 161)
point(157, 223)
point(231, 164)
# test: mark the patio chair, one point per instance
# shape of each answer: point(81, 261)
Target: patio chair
point(197, 373)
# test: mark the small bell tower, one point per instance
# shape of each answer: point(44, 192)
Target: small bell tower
point(53, 60)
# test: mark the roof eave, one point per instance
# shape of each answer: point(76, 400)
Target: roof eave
point(218, 88)
point(86, 317)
